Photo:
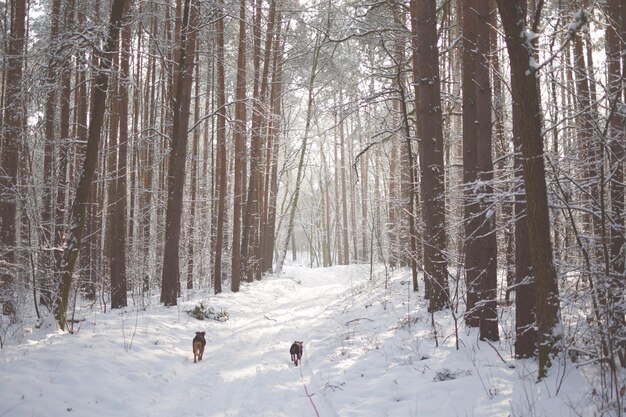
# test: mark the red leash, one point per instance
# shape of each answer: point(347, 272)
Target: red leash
point(307, 391)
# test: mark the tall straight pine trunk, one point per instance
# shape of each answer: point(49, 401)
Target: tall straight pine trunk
point(170, 281)
point(430, 135)
point(526, 95)
point(221, 168)
point(480, 245)
point(11, 133)
point(239, 137)
point(67, 261)
point(616, 42)
point(119, 203)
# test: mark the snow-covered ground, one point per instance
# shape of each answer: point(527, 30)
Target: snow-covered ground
point(368, 351)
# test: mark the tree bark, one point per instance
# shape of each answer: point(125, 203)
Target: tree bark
point(119, 203)
point(526, 94)
point(617, 144)
point(221, 167)
point(488, 257)
point(274, 131)
point(47, 219)
point(239, 137)
point(429, 127)
point(12, 129)
point(480, 238)
point(170, 281)
point(75, 232)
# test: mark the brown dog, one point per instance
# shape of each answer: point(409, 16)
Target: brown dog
point(296, 352)
point(198, 346)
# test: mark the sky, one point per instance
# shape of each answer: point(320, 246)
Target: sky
point(369, 350)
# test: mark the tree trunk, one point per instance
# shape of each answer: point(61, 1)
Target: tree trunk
point(221, 167)
point(239, 137)
point(75, 232)
point(345, 253)
point(274, 132)
point(272, 39)
point(119, 203)
point(526, 94)
point(617, 143)
point(430, 135)
point(525, 290)
point(170, 282)
point(12, 134)
point(472, 207)
point(488, 256)
point(393, 191)
point(47, 219)
point(250, 251)
point(193, 184)
point(480, 239)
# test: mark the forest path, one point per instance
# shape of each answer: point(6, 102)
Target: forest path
point(139, 362)
point(246, 369)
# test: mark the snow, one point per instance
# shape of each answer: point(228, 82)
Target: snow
point(529, 35)
point(368, 351)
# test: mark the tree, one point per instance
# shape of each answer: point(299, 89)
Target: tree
point(74, 235)
point(526, 94)
point(615, 10)
point(430, 135)
point(181, 101)
point(221, 169)
point(480, 238)
point(48, 205)
point(525, 288)
point(239, 137)
point(13, 122)
point(253, 215)
point(273, 147)
point(119, 203)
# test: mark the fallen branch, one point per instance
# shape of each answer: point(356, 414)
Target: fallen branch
point(494, 348)
point(360, 318)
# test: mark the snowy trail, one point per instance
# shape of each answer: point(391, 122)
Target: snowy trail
point(363, 357)
point(255, 375)
point(246, 370)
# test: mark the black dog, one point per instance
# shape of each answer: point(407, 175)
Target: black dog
point(296, 352)
point(198, 346)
